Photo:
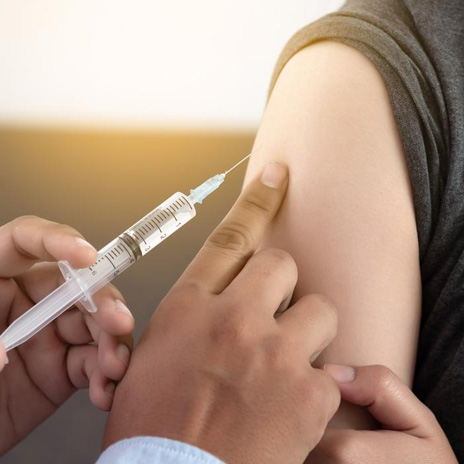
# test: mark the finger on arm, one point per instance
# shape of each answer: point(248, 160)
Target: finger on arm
point(312, 314)
point(406, 422)
point(272, 274)
point(234, 241)
point(386, 397)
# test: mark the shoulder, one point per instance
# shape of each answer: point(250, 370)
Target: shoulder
point(334, 81)
point(330, 109)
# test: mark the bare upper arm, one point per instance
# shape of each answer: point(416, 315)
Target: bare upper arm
point(348, 218)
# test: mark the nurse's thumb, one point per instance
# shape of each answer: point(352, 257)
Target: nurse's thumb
point(386, 397)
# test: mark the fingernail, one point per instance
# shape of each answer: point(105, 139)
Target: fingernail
point(274, 175)
point(340, 373)
point(110, 388)
point(120, 306)
point(123, 354)
point(84, 243)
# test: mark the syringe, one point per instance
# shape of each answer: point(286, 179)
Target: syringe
point(112, 260)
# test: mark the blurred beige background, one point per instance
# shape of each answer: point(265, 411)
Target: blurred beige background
point(100, 102)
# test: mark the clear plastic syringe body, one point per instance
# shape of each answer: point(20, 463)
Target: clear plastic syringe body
point(112, 260)
point(137, 241)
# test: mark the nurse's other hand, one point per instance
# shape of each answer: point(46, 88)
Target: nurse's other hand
point(215, 368)
point(410, 433)
point(77, 350)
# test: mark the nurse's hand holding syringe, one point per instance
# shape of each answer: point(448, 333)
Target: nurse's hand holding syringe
point(81, 348)
point(78, 350)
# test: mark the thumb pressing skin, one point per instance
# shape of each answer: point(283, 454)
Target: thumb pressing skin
point(386, 397)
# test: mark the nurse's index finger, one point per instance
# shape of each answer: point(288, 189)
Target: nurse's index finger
point(234, 241)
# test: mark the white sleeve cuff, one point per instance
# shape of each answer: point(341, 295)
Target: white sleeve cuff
point(155, 450)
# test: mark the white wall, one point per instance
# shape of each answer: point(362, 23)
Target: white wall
point(143, 62)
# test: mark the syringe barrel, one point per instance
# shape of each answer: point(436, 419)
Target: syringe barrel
point(112, 259)
point(160, 223)
point(132, 244)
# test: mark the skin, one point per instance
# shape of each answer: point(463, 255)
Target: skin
point(409, 431)
point(215, 368)
point(77, 350)
point(348, 218)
